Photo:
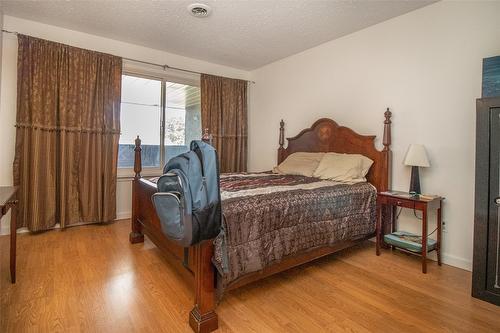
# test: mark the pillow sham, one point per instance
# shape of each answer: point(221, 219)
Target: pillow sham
point(302, 164)
point(343, 167)
point(366, 164)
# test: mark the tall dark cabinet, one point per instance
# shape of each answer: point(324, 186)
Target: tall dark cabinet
point(486, 262)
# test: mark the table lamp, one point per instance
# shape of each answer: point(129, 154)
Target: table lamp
point(416, 157)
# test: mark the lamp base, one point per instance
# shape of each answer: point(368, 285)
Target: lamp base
point(415, 181)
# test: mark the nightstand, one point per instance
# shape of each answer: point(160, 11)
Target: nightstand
point(421, 203)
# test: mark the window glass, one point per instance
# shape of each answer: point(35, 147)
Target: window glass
point(140, 115)
point(182, 118)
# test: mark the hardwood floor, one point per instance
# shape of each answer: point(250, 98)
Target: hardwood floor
point(90, 279)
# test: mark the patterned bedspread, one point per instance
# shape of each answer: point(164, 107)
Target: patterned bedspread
point(267, 217)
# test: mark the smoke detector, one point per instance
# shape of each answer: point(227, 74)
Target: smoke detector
point(199, 10)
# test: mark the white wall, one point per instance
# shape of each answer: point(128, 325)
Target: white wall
point(9, 81)
point(1, 42)
point(425, 66)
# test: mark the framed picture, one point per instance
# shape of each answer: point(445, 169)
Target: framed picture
point(491, 77)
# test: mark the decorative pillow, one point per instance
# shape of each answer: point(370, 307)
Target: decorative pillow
point(303, 164)
point(343, 167)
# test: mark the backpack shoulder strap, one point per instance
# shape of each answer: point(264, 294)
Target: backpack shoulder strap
point(198, 147)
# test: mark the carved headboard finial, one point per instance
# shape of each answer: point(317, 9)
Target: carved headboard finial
point(281, 149)
point(282, 133)
point(387, 115)
point(387, 130)
point(206, 137)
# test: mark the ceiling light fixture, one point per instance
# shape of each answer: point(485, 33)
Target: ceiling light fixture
point(199, 10)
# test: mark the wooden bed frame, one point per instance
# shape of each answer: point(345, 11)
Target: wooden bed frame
point(195, 262)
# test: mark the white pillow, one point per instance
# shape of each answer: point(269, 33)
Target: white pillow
point(303, 164)
point(343, 167)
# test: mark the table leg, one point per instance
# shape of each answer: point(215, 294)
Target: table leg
point(378, 227)
point(424, 241)
point(13, 236)
point(439, 230)
point(393, 222)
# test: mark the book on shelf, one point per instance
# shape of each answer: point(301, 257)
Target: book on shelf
point(406, 195)
point(408, 241)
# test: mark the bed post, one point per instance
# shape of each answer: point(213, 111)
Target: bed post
point(281, 149)
point(136, 235)
point(207, 137)
point(387, 213)
point(203, 318)
point(387, 150)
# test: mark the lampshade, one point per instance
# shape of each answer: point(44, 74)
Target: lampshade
point(417, 156)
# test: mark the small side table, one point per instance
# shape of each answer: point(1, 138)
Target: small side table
point(7, 201)
point(424, 204)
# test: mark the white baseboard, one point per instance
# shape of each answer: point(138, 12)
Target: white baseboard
point(123, 215)
point(5, 225)
point(5, 230)
point(455, 261)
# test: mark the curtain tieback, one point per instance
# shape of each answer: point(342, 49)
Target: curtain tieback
point(230, 136)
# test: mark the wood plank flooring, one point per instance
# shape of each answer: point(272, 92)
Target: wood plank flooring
point(90, 279)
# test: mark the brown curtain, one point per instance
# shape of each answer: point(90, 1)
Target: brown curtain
point(68, 125)
point(224, 113)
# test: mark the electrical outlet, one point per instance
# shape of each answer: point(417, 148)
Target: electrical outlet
point(444, 227)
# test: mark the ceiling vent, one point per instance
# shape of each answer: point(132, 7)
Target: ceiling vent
point(199, 10)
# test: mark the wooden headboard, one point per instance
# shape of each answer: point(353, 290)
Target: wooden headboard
point(325, 135)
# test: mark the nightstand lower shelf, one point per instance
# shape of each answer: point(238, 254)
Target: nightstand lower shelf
point(408, 241)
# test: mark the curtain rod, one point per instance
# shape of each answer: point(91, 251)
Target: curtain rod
point(164, 66)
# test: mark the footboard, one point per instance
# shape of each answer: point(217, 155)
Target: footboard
point(145, 221)
point(195, 262)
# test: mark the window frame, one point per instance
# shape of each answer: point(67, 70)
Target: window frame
point(163, 78)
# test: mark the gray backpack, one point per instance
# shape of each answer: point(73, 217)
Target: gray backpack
point(188, 199)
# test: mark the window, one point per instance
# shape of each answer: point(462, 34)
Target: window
point(166, 116)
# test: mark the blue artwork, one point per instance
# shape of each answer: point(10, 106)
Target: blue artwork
point(491, 77)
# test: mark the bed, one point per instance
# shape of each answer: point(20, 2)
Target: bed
point(272, 222)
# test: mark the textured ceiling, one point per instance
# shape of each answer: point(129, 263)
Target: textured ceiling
point(241, 34)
